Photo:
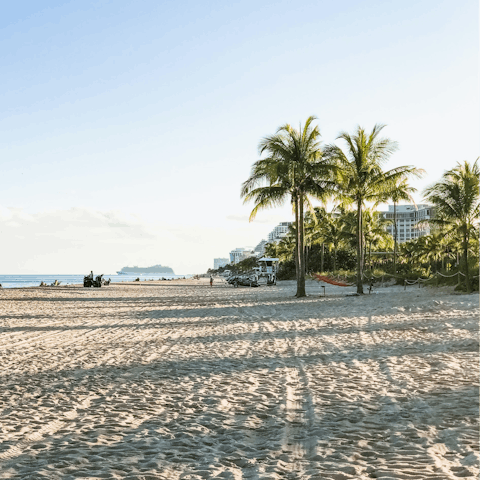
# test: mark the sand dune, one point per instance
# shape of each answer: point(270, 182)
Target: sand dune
point(177, 380)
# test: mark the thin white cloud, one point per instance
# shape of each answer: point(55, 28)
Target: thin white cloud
point(62, 241)
point(238, 218)
point(263, 218)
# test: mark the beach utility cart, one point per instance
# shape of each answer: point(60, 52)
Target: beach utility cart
point(267, 269)
point(245, 280)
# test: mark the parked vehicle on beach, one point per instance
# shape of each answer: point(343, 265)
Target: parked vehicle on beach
point(246, 280)
point(88, 281)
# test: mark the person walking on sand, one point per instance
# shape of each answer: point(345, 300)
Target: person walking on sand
point(211, 281)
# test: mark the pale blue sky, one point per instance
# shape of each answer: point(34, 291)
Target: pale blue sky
point(149, 114)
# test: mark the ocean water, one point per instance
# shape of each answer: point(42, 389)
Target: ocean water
point(19, 281)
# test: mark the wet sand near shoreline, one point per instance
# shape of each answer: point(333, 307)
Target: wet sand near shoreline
point(178, 380)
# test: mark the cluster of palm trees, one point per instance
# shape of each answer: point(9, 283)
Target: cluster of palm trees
point(297, 167)
point(454, 240)
point(334, 231)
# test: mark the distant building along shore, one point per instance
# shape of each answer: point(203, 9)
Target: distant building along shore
point(219, 262)
point(260, 248)
point(279, 232)
point(240, 254)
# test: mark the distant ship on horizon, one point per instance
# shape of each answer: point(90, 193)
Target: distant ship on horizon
point(154, 269)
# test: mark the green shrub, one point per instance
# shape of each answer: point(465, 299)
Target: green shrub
point(287, 271)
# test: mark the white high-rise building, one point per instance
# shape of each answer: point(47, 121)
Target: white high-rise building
point(240, 254)
point(260, 248)
point(279, 232)
point(408, 218)
point(219, 262)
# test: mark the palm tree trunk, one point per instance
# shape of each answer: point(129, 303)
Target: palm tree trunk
point(359, 249)
point(465, 256)
point(322, 257)
point(306, 259)
point(370, 255)
point(301, 257)
point(296, 255)
point(394, 238)
point(334, 258)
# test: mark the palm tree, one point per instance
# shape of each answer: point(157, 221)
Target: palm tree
point(313, 230)
point(456, 201)
point(375, 233)
point(331, 230)
point(401, 191)
point(348, 227)
point(271, 250)
point(430, 249)
point(361, 176)
point(293, 168)
point(309, 235)
point(286, 247)
point(408, 252)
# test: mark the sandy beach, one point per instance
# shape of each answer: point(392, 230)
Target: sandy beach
point(177, 380)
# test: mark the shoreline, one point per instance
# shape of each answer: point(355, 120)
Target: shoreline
point(313, 287)
point(24, 281)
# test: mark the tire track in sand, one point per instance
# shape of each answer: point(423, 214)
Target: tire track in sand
point(49, 429)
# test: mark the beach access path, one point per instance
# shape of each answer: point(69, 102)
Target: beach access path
point(180, 380)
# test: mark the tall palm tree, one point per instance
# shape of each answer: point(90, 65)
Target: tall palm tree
point(294, 168)
point(361, 176)
point(457, 207)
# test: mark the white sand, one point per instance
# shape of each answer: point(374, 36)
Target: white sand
point(184, 381)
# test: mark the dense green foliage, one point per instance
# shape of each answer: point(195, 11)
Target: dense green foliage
point(245, 265)
point(457, 207)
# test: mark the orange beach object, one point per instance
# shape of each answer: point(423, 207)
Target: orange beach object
point(321, 278)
